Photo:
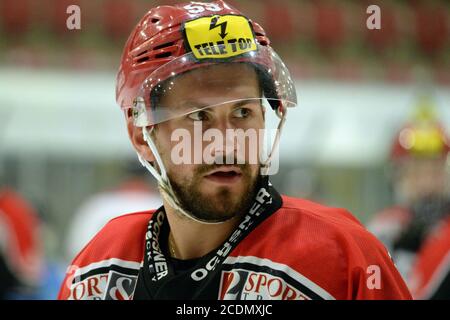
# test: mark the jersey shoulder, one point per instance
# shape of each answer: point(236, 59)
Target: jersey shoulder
point(121, 238)
point(302, 209)
point(335, 228)
point(303, 225)
point(318, 244)
point(115, 254)
point(324, 224)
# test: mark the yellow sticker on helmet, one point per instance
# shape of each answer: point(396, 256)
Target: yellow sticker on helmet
point(219, 37)
point(424, 141)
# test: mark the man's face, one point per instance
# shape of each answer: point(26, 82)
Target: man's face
point(418, 178)
point(213, 192)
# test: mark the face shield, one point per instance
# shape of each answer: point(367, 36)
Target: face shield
point(276, 88)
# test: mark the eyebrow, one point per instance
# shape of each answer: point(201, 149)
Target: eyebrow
point(246, 101)
point(238, 103)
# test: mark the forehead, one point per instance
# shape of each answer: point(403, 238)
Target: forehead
point(220, 81)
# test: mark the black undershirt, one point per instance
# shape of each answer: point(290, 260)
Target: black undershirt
point(181, 266)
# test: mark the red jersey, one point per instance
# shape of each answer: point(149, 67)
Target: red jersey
point(302, 250)
point(430, 277)
point(419, 239)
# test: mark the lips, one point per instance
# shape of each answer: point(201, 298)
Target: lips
point(224, 175)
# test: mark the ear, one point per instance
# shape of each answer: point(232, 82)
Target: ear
point(136, 138)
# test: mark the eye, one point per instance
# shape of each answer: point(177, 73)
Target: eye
point(242, 112)
point(198, 115)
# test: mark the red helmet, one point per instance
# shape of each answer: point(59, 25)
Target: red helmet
point(160, 38)
point(423, 137)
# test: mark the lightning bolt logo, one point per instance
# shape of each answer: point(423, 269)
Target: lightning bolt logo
point(222, 25)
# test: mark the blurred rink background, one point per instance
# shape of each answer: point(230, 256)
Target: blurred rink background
point(63, 138)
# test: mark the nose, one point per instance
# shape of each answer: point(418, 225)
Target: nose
point(225, 147)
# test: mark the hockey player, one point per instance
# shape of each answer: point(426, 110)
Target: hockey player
point(21, 256)
point(223, 232)
point(420, 183)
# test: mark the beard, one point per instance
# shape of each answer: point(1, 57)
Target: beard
point(224, 204)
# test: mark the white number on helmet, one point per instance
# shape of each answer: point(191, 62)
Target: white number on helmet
point(212, 7)
point(199, 7)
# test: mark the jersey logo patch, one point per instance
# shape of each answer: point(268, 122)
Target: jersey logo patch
point(253, 278)
point(111, 279)
point(248, 285)
point(90, 288)
point(120, 286)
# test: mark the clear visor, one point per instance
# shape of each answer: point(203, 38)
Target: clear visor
point(185, 86)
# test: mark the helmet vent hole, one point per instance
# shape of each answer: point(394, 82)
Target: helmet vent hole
point(262, 41)
point(163, 55)
point(155, 20)
point(261, 38)
point(143, 59)
point(141, 53)
point(164, 45)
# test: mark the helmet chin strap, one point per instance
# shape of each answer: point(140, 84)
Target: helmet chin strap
point(163, 180)
point(265, 166)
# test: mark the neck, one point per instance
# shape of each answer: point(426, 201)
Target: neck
point(193, 239)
